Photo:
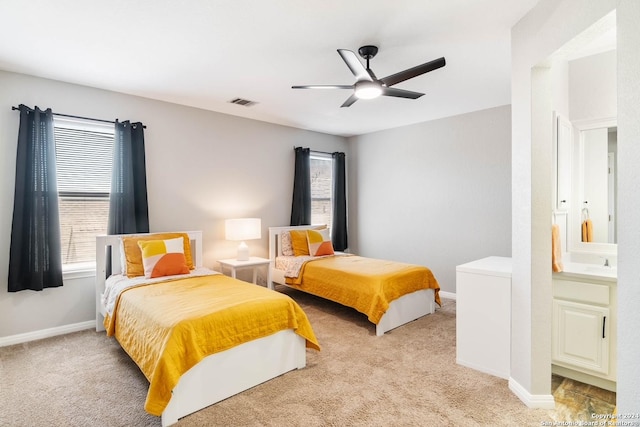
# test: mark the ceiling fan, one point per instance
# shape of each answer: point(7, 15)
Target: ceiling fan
point(367, 85)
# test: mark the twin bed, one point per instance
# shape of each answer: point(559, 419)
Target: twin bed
point(200, 337)
point(389, 293)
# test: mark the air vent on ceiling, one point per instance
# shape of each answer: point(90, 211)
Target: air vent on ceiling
point(243, 102)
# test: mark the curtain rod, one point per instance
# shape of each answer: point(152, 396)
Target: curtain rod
point(316, 151)
point(77, 117)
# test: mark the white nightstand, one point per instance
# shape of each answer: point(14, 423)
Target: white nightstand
point(253, 263)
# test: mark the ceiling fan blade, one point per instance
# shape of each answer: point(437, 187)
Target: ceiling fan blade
point(353, 98)
point(413, 72)
point(401, 93)
point(355, 65)
point(323, 87)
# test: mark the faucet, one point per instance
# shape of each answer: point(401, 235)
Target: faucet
point(606, 262)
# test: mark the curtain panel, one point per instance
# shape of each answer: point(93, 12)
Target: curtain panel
point(301, 204)
point(339, 220)
point(35, 260)
point(128, 206)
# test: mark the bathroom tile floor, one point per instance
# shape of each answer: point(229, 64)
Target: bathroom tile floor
point(576, 401)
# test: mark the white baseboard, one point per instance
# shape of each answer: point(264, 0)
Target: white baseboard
point(494, 372)
point(447, 295)
point(46, 333)
point(540, 401)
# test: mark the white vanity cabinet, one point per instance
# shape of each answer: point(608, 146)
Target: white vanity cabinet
point(584, 330)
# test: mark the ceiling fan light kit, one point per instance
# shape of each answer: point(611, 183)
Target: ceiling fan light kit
point(367, 85)
point(367, 90)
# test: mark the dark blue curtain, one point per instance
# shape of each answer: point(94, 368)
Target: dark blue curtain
point(128, 207)
point(339, 220)
point(301, 204)
point(35, 260)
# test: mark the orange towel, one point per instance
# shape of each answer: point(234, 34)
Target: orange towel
point(556, 249)
point(587, 230)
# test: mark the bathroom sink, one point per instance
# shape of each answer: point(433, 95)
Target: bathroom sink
point(601, 269)
point(591, 269)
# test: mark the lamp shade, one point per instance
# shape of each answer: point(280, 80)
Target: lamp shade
point(243, 229)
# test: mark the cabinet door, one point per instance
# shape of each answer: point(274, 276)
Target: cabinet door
point(483, 323)
point(581, 336)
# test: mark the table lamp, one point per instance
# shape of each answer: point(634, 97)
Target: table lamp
point(242, 229)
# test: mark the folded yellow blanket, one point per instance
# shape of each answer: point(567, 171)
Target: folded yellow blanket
point(365, 284)
point(169, 327)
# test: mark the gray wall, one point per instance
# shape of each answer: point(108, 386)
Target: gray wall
point(442, 186)
point(202, 168)
point(436, 193)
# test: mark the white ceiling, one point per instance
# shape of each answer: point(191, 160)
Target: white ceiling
point(203, 53)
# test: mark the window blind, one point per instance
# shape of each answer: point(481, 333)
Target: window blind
point(83, 160)
point(84, 157)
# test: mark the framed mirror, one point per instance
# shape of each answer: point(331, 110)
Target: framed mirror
point(592, 223)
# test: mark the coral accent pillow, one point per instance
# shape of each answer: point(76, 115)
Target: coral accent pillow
point(299, 242)
point(319, 242)
point(133, 266)
point(163, 257)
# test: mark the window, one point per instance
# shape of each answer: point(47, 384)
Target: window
point(321, 170)
point(84, 155)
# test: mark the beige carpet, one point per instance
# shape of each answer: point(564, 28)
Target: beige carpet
point(406, 378)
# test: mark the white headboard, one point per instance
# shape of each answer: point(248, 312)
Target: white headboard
point(110, 244)
point(275, 248)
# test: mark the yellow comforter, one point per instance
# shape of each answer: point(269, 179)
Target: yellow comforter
point(365, 284)
point(169, 327)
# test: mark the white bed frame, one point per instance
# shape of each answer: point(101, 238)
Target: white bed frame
point(403, 310)
point(220, 375)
